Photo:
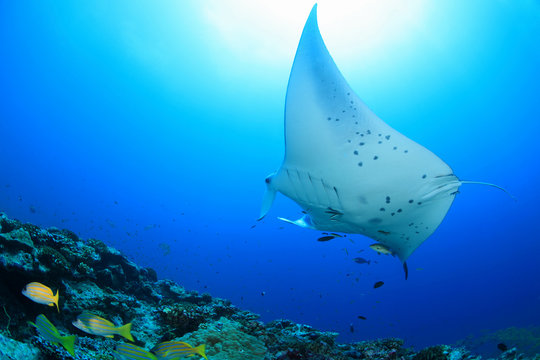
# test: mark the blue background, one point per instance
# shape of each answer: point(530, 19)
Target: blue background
point(136, 123)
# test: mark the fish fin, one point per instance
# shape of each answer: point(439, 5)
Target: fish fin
point(68, 342)
point(304, 222)
point(56, 300)
point(406, 269)
point(268, 199)
point(31, 323)
point(201, 350)
point(125, 331)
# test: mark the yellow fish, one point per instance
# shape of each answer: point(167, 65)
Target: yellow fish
point(51, 334)
point(132, 352)
point(95, 325)
point(41, 294)
point(172, 350)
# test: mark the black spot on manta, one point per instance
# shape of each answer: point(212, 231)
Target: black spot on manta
point(375, 157)
point(382, 209)
point(375, 220)
point(393, 214)
point(380, 134)
point(388, 199)
point(337, 119)
point(424, 176)
point(384, 232)
point(419, 203)
point(387, 137)
point(380, 142)
point(360, 163)
point(361, 144)
point(394, 148)
point(355, 152)
point(411, 201)
point(368, 132)
point(399, 210)
point(406, 151)
point(358, 132)
point(328, 118)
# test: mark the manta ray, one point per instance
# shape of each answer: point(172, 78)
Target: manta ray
point(349, 170)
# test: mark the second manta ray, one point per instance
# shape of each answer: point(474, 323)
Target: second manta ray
point(349, 170)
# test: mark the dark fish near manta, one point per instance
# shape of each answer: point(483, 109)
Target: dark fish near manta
point(360, 260)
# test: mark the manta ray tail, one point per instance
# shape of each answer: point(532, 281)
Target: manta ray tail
point(489, 184)
point(406, 269)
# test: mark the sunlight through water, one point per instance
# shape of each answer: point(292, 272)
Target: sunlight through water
point(269, 31)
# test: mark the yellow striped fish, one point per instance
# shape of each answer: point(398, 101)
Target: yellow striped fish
point(95, 325)
point(172, 350)
point(127, 351)
point(51, 334)
point(41, 294)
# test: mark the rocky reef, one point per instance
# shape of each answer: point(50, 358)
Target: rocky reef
point(93, 276)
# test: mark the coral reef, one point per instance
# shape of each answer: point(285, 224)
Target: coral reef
point(527, 340)
point(95, 277)
point(225, 340)
point(14, 350)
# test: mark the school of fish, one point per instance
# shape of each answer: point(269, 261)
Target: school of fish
point(95, 325)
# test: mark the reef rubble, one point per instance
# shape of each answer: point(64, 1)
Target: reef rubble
point(93, 276)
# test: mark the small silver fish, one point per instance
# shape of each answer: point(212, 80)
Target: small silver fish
point(381, 249)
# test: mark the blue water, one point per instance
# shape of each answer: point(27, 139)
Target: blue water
point(144, 125)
